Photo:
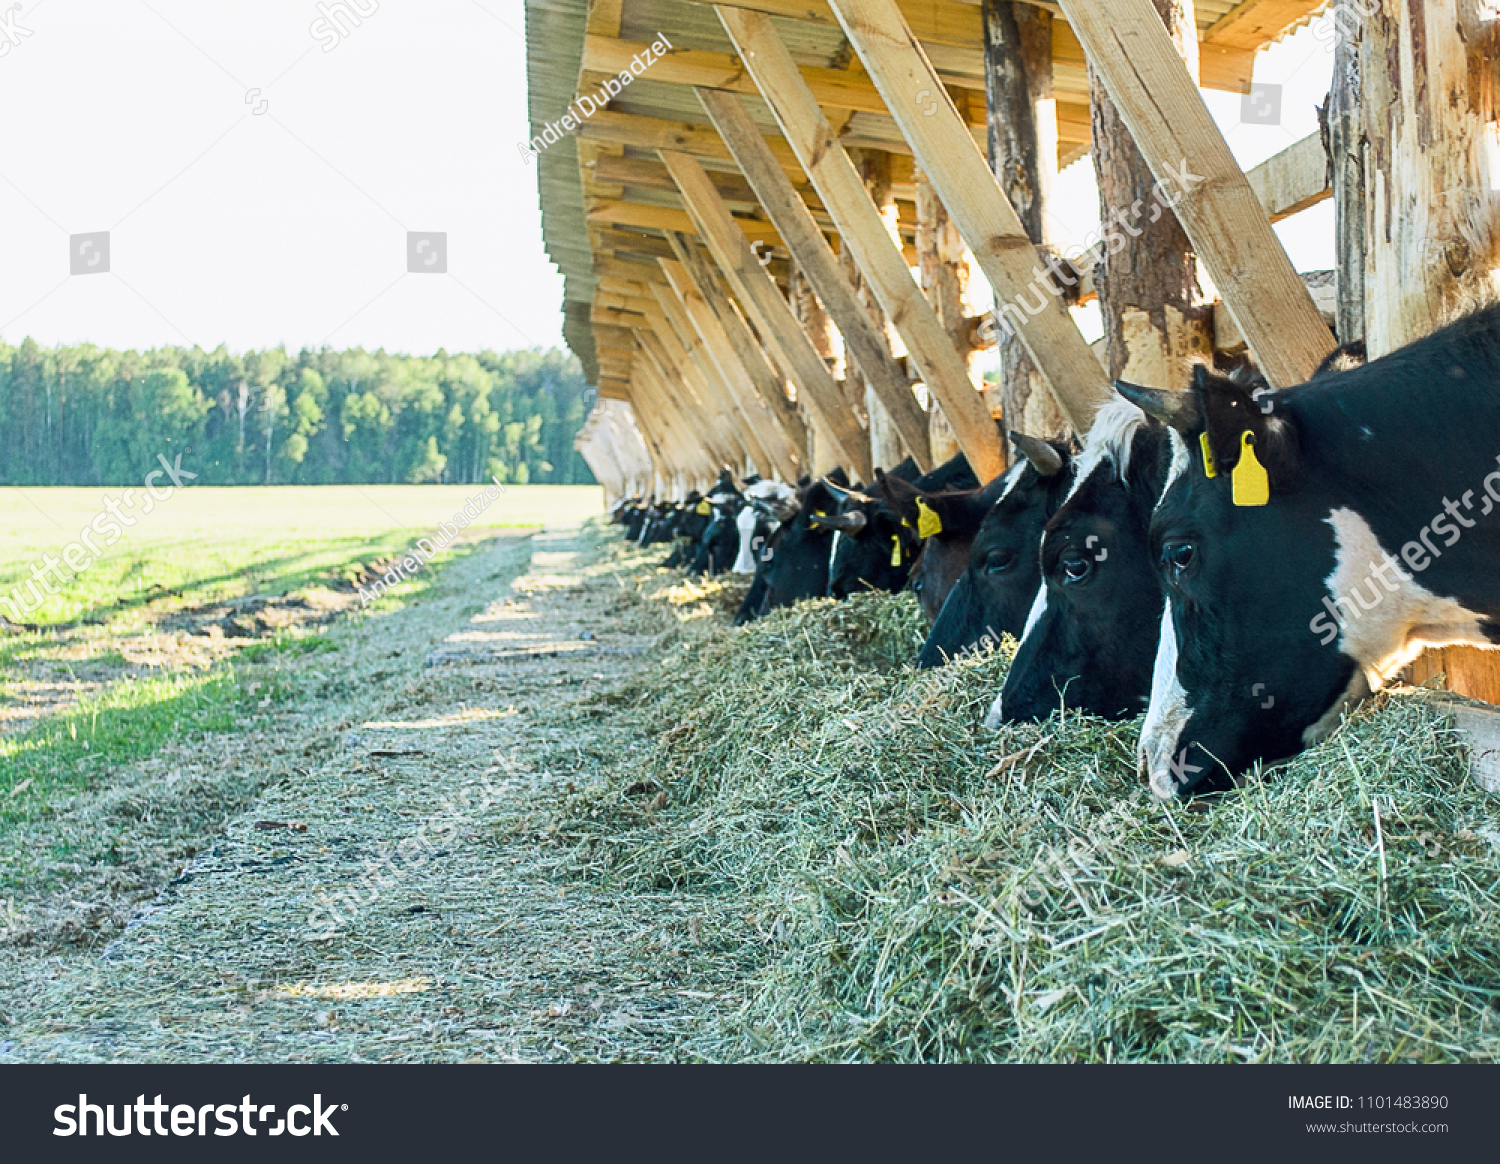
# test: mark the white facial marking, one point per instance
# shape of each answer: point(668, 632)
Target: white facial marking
point(1011, 478)
point(1180, 461)
point(1109, 441)
point(992, 720)
point(1034, 616)
point(1166, 715)
point(1403, 618)
point(745, 523)
point(833, 553)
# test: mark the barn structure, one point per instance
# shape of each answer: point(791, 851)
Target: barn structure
point(788, 226)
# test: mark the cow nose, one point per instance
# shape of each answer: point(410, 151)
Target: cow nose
point(996, 716)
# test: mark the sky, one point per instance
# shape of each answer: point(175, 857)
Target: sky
point(258, 176)
point(259, 171)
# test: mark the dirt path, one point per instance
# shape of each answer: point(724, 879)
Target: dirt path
point(437, 740)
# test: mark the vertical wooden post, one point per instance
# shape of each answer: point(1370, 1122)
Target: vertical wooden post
point(950, 280)
point(1021, 119)
point(1342, 124)
point(1156, 314)
point(1427, 106)
point(1131, 52)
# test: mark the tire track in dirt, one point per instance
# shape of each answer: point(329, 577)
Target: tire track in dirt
point(461, 721)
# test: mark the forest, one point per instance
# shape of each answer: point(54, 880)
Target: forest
point(85, 415)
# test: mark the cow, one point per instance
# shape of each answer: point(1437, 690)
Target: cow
point(1311, 541)
point(691, 520)
point(999, 581)
point(873, 546)
point(767, 505)
point(945, 553)
point(720, 541)
point(801, 547)
point(1090, 633)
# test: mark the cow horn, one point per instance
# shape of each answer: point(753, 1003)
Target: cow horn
point(852, 523)
point(1046, 460)
point(858, 497)
point(1178, 409)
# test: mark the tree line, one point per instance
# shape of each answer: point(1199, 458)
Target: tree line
point(85, 415)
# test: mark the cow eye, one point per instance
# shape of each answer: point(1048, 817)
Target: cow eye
point(1076, 569)
point(1176, 557)
point(999, 562)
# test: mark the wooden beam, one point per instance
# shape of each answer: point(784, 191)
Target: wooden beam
point(864, 343)
point(758, 360)
point(612, 212)
point(742, 364)
point(834, 88)
point(655, 133)
point(1291, 181)
point(1131, 52)
point(736, 400)
point(772, 316)
point(863, 231)
point(979, 208)
point(698, 420)
point(1227, 58)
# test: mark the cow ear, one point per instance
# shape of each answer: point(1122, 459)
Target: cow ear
point(1241, 424)
point(900, 495)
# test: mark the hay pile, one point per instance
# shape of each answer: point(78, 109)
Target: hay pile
point(927, 890)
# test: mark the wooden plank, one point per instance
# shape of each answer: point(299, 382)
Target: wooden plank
point(1130, 50)
point(1292, 180)
point(864, 342)
point(612, 212)
point(717, 413)
point(735, 399)
point(772, 317)
point(655, 133)
point(677, 391)
point(1226, 62)
point(740, 362)
point(1481, 726)
point(863, 231)
point(979, 208)
point(834, 88)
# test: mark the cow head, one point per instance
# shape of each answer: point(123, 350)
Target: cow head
point(799, 567)
point(1244, 553)
point(1091, 632)
point(873, 547)
point(946, 522)
point(995, 590)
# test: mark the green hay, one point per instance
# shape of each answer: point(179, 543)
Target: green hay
point(927, 890)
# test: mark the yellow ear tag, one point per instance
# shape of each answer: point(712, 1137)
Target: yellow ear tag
point(928, 522)
point(1251, 485)
point(895, 549)
point(1210, 466)
point(704, 509)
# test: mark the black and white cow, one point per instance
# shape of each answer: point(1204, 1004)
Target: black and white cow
point(690, 520)
point(767, 505)
point(873, 546)
point(1090, 635)
point(995, 590)
point(945, 550)
point(802, 546)
point(1312, 541)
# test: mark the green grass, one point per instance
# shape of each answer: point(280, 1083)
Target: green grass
point(208, 544)
point(201, 547)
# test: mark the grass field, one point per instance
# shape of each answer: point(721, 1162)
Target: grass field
point(143, 645)
point(216, 543)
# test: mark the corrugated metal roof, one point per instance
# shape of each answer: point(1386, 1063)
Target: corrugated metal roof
point(554, 48)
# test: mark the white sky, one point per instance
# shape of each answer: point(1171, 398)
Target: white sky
point(134, 116)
